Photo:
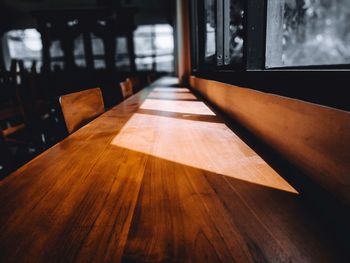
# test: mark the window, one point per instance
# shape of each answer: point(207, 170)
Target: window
point(25, 45)
point(144, 48)
point(56, 54)
point(79, 53)
point(236, 33)
point(122, 54)
point(219, 28)
point(308, 32)
point(210, 30)
point(154, 48)
point(98, 52)
point(265, 44)
point(292, 33)
point(164, 48)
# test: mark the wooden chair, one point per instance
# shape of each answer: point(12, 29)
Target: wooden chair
point(12, 107)
point(80, 108)
point(151, 78)
point(10, 111)
point(136, 83)
point(127, 88)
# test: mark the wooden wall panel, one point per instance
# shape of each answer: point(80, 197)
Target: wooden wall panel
point(183, 41)
point(314, 138)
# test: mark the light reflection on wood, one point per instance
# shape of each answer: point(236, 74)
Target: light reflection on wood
point(208, 146)
point(172, 90)
point(170, 95)
point(186, 107)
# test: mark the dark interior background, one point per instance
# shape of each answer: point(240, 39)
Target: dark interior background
point(15, 14)
point(61, 21)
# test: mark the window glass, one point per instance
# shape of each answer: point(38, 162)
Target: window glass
point(56, 50)
point(143, 46)
point(122, 55)
point(154, 47)
point(164, 45)
point(165, 63)
point(308, 32)
point(56, 54)
point(99, 63)
point(236, 31)
point(144, 63)
point(164, 41)
point(79, 53)
point(98, 51)
point(210, 29)
point(98, 48)
point(25, 45)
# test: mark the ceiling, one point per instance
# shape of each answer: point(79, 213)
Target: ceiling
point(15, 14)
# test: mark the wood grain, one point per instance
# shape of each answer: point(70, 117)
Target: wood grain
point(79, 108)
point(127, 88)
point(314, 138)
point(138, 185)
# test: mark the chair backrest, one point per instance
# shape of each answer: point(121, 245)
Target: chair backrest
point(151, 78)
point(127, 88)
point(135, 80)
point(80, 108)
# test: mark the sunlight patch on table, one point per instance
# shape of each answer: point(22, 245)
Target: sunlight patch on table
point(208, 146)
point(186, 107)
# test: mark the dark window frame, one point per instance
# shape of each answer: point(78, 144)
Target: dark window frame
point(197, 27)
point(255, 41)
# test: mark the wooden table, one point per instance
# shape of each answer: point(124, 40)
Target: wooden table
point(159, 178)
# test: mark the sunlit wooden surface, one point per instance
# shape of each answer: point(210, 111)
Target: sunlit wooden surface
point(159, 178)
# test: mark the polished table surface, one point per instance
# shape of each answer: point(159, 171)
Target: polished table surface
point(158, 178)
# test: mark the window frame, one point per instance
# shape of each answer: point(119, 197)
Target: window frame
point(154, 52)
point(197, 29)
point(255, 42)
